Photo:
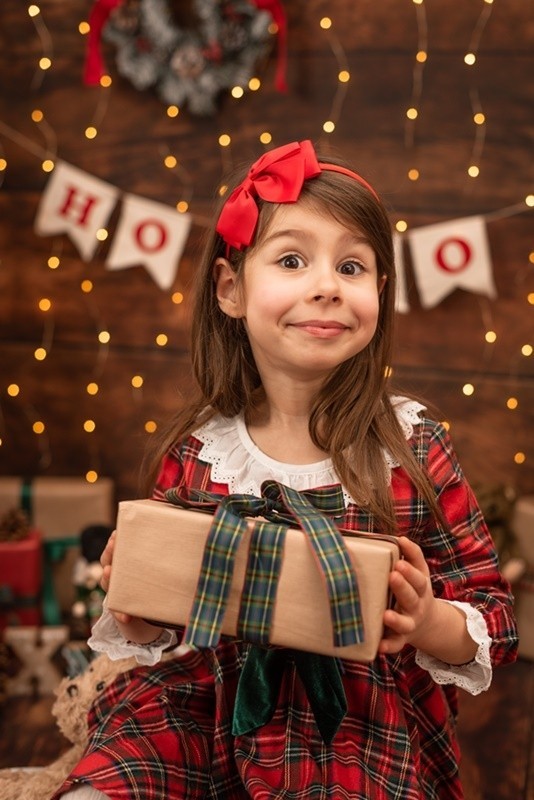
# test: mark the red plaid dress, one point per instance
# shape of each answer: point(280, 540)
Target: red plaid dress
point(164, 732)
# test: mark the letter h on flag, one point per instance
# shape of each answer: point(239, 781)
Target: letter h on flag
point(451, 255)
point(76, 204)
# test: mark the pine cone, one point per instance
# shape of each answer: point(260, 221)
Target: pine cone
point(14, 526)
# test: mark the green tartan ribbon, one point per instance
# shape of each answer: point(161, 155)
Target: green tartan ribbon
point(282, 507)
point(263, 668)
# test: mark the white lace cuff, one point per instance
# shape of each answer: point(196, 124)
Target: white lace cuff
point(107, 638)
point(474, 677)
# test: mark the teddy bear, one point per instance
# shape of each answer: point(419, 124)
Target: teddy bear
point(74, 697)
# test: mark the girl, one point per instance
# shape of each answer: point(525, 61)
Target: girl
point(291, 341)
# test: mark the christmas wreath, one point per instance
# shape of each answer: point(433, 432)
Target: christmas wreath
point(188, 52)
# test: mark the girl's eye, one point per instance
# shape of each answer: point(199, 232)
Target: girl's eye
point(351, 268)
point(291, 261)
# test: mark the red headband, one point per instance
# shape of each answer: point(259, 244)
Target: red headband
point(277, 177)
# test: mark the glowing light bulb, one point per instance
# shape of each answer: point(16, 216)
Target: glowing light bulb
point(473, 171)
point(412, 113)
point(401, 225)
point(86, 286)
point(254, 84)
point(170, 161)
point(479, 118)
point(84, 28)
point(526, 350)
point(150, 426)
point(45, 304)
point(89, 425)
point(237, 92)
point(91, 132)
point(470, 59)
point(92, 388)
point(172, 111)
point(325, 23)
point(13, 390)
point(344, 76)
point(490, 337)
point(40, 354)
point(162, 339)
point(102, 234)
point(38, 427)
point(91, 476)
point(45, 63)
point(512, 403)
point(105, 81)
point(468, 389)
point(37, 115)
point(329, 126)
point(520, 457)
point(224, 140)
point(33, 10)
point(137, 381)
point(53, 262)
point(47, 165)
point(266, 137)
point(104, 337)
point(182, 206)
point(413, 174)
point(177, 298)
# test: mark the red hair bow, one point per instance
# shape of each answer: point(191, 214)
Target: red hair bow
point(277, 177)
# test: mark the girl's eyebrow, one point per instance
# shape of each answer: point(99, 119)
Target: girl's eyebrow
point(352, 238)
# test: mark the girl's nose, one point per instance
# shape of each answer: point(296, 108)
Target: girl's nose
point(325, 286)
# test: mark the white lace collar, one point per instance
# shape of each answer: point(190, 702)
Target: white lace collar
point(239, 464)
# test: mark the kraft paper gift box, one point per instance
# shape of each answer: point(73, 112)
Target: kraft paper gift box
point(59, 507)
point(21, 578)
point(157, 559)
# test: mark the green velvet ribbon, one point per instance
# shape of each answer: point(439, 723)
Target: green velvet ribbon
point(263, 669)
point(259, 688)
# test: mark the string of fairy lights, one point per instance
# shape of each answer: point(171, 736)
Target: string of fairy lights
point(47, 153)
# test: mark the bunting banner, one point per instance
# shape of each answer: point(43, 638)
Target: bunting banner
point(445, 256)
point(76, 204)
point(401, 297)
point(150, 234)
point(451, 255)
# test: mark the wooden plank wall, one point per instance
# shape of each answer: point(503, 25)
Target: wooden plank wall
point(439, 350)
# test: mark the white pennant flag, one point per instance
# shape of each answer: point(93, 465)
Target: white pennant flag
point(76, 204)
point(401, 298)
point(451, 255)
point(151, 234)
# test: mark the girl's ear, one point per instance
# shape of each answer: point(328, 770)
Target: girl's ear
point(381, 283)
point(227, 288)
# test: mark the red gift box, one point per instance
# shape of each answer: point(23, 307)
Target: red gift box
point(21, 580)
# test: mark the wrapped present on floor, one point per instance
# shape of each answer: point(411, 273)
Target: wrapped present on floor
point(260, 581)
point(21, 578)
point(59, 507)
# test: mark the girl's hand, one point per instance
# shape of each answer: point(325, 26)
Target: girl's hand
point(132, 628)
point(416, 608)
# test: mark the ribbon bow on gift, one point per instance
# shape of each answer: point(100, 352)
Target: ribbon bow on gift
point(277, 177)
point(281, 507)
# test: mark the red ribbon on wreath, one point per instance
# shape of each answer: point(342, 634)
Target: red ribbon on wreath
point(101, 10)
point(94, 62)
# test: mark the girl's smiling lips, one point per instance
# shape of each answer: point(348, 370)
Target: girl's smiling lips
point(322, 328)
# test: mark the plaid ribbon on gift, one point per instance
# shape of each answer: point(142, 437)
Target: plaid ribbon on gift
point(282, 507)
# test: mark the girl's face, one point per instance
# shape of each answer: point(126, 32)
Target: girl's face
point(309, 295)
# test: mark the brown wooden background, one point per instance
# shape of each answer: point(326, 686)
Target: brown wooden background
point(439, 350)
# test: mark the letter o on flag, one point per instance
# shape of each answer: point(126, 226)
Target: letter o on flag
point(453, 255)
point(150, 235)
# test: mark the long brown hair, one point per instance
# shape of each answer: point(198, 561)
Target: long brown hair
point(352, 418)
